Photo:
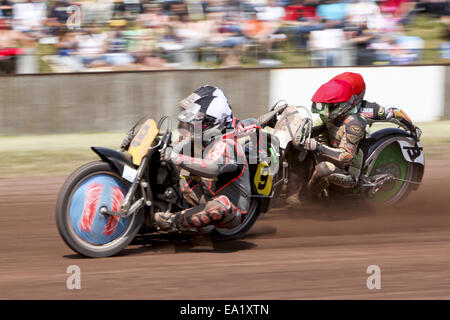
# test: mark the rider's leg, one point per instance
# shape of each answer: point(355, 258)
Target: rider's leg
point(326, 173)
point(191, 189)
point(220, 212)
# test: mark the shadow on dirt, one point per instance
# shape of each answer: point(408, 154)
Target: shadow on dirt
point(166, 244)
point(184, 243)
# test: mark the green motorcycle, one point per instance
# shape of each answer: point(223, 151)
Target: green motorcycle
point(388, 165)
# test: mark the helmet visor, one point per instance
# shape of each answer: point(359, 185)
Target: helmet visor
point(317, 107)
point(339, 109)
point(191, 114)
point(187, 102)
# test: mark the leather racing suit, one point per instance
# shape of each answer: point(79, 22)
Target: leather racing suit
point(337, 143)
point(222, 177)
point(372, 111)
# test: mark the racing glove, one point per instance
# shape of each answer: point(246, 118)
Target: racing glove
point(166, 155)
point(416, 133)
point(311, 144)
point(402, 118)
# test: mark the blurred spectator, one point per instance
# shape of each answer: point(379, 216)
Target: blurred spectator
point(29, 16)
point(359, 16)
point(408, 49)
point(271, 11)
point(96, 12)
point(6, 7)
point(229, 39)
point(333, 12)
point(359, 12)
point(402, 10)
point(128, 9)
point(326, 47)
point(58, 16)
point(91, 46)
point(361, 37)
point(143, 42)
point(445, 51)
point(191, 35)
point(153, 17)
point(259, 31)
point(435, 8)
point(155, 34)
point(66, 59)
point(299, 10)
point(58, 12)
point(445, 18)
point(13, 44)
point(301, 19)
point(117, 54)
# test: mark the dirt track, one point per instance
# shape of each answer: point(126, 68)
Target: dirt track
point(289, 254)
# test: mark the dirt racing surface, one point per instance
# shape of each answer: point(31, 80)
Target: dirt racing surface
point(291, 253)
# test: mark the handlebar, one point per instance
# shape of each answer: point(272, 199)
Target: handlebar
point(165, 140)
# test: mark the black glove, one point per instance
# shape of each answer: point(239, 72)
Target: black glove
point(127, 140)
point(166, 155)
point(416, 133)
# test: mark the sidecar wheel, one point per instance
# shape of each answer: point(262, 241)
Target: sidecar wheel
point(81, 225)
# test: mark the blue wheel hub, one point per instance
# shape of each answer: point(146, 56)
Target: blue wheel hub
point(92, 194)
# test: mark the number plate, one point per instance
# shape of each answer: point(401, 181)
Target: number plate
point(129, 173)
point(143, 141)
point(263, 179)
point(412, 152)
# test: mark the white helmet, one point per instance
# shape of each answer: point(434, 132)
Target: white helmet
point(201, 92)
point(208, 116)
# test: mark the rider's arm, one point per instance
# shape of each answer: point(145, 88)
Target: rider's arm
point(354, 131)
point(219, 159)
point(375, 112)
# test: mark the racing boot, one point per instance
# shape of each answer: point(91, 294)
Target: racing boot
point(166, 221)
point(171, 222)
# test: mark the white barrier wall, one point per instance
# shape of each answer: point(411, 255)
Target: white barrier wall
point(99, 102)
point(419, 90)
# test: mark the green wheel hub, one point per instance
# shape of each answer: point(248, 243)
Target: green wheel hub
point(391, 161)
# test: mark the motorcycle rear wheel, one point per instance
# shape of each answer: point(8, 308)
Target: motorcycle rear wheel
point(79, 221)
point(391, 161)
point(238, 232)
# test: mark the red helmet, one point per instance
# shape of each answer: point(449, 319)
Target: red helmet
point(333, 99)
point(357, 82)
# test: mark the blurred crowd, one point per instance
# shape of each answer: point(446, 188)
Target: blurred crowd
point(73, 36)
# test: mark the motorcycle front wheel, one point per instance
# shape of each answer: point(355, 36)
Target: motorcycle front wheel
point(79, 221)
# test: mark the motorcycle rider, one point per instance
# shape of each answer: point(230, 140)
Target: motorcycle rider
point(372, 111)
point(220, 173)
point(336, 138)
point(334, 172)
